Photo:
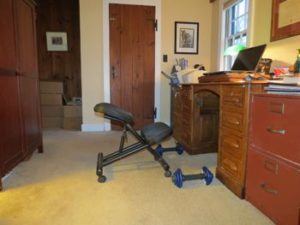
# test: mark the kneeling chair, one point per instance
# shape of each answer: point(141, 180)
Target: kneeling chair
point(150, 135)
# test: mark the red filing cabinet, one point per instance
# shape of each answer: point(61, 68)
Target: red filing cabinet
point(273, 162)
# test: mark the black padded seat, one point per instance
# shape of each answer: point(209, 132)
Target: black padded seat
point(156, 132)
point(114, 111)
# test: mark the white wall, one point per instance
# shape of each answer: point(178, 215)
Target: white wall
point(91, 62)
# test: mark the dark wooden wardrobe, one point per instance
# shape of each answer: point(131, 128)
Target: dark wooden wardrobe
point(20, 120)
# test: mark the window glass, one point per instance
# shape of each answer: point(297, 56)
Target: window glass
point(236, 21)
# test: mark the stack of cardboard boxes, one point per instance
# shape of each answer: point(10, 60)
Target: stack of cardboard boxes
point(51, 103)
point(54, 113)
point(72, 116)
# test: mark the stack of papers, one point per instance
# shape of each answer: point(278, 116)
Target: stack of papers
point(283, 88)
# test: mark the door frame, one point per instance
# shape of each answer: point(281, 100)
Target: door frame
point(106, 67)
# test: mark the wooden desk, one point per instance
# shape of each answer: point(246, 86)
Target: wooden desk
point(210, 117)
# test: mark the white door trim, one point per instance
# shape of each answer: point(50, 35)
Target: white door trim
point(106, 72)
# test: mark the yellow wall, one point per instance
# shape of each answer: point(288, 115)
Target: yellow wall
point(188, 10)
point(283, 52)
point(92, 57)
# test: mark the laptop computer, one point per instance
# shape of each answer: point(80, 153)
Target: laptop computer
point(246, 61)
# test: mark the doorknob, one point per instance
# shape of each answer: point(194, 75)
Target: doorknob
point(113, 72)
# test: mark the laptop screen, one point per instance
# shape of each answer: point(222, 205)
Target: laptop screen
point(248, 58)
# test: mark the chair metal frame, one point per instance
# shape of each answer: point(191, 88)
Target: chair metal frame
point(124, 152)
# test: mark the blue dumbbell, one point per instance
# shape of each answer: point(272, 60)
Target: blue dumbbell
point(178, 178)
point(161, 150)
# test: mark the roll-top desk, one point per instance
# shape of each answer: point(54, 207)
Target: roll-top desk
point(213, 117)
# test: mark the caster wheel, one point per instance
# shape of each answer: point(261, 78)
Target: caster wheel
point(102, 179)
point(168, 173)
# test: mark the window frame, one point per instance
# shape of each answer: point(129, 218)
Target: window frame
point(226, 61)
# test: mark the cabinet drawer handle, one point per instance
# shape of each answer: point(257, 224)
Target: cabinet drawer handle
point(232, 99)
point(268, 190)
point(233, 121)
point(280, 131)
point(236, 100)
point(231, 144)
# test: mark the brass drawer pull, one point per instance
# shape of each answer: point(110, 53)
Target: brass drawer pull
point(233, 99)
point(280, 131)
point(233, 121)
point(231, 144)
point(236, 100)
point(268, 190)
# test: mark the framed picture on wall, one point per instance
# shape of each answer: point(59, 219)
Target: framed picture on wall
point(57, 41)
point(186, 37)
point(285, 19)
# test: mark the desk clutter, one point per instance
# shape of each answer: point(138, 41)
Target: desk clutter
point(56, 111)
point(283, 88)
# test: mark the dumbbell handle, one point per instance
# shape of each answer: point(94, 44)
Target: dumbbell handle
point(193, 176)
point(169, 149)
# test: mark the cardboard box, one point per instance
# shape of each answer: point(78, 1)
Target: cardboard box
point(52, 122)
point(52, 111)
point(72, 123)
point(51, 87)
point(71, 111)
point(51, 99)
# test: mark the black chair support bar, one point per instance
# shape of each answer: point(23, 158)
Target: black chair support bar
point(150, 135)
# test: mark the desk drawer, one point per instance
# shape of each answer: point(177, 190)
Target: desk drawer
point(233, 96)
point(231, 165)
point(275, 124)
point(231, 144)
point(233, 120)
point(273, 187)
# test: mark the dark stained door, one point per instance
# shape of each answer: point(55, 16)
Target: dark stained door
point(132, 60)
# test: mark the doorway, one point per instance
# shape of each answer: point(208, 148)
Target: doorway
point(106, 60)
point(132, 55)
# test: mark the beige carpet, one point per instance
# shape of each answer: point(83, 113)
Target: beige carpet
point(59, 187)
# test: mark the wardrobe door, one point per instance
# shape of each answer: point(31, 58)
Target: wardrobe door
point(30, 114)
point(11, 130)
point(7, 39)
point(28, 73)
point(26, 38)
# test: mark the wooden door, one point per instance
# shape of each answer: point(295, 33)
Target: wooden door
point(132, 60)
point(10, 120)
point(28, 75)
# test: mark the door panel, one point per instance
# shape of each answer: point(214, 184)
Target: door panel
point(26, 38)
point(7, 47)
point(30, 113)
point(132, 49)
point(10, 120)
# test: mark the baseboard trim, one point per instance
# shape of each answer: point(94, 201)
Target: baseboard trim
point(96, 127)
point(92, 127)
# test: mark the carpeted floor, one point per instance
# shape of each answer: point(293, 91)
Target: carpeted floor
point(59, 187)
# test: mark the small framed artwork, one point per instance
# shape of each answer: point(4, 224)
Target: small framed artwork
point(186, 37)
point(57, 41)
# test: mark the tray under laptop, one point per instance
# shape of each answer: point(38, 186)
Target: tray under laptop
point(226, 72)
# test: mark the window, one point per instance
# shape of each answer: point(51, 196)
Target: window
point(236, 23)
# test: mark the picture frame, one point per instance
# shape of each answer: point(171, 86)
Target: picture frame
point(285, 19)
point(186, 37)
point(57, 41)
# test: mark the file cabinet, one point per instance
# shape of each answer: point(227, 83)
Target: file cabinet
point(273, 163)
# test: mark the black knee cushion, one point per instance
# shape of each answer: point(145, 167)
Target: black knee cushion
point(114, 112)
point(156, 132)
